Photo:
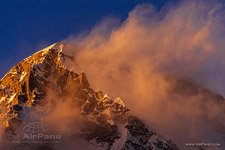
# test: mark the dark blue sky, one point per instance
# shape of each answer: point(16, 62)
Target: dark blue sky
point(29, 25)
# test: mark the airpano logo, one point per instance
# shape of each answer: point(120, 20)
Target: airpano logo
point(41, 136)
point(37, 131)
point(35, 127)
point(34, 131)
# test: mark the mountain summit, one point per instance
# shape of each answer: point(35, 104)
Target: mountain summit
point(33, 95)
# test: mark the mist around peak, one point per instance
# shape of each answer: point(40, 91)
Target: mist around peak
point(142, 59)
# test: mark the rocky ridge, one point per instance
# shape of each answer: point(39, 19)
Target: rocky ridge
point(106, 122)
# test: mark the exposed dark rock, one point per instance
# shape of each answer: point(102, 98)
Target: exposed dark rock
point(101, 133)
point(23, 98)
point(17, 108)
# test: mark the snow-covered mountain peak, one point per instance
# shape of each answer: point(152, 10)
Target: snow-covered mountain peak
point(44, 79)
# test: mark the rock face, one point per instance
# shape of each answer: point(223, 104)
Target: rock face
point(106, 122)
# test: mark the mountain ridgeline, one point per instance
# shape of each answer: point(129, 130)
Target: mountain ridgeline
point(31, 91)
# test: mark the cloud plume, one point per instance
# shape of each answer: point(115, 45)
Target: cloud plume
point(133, 60)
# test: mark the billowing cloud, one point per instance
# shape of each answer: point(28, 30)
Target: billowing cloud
point(133, 61)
